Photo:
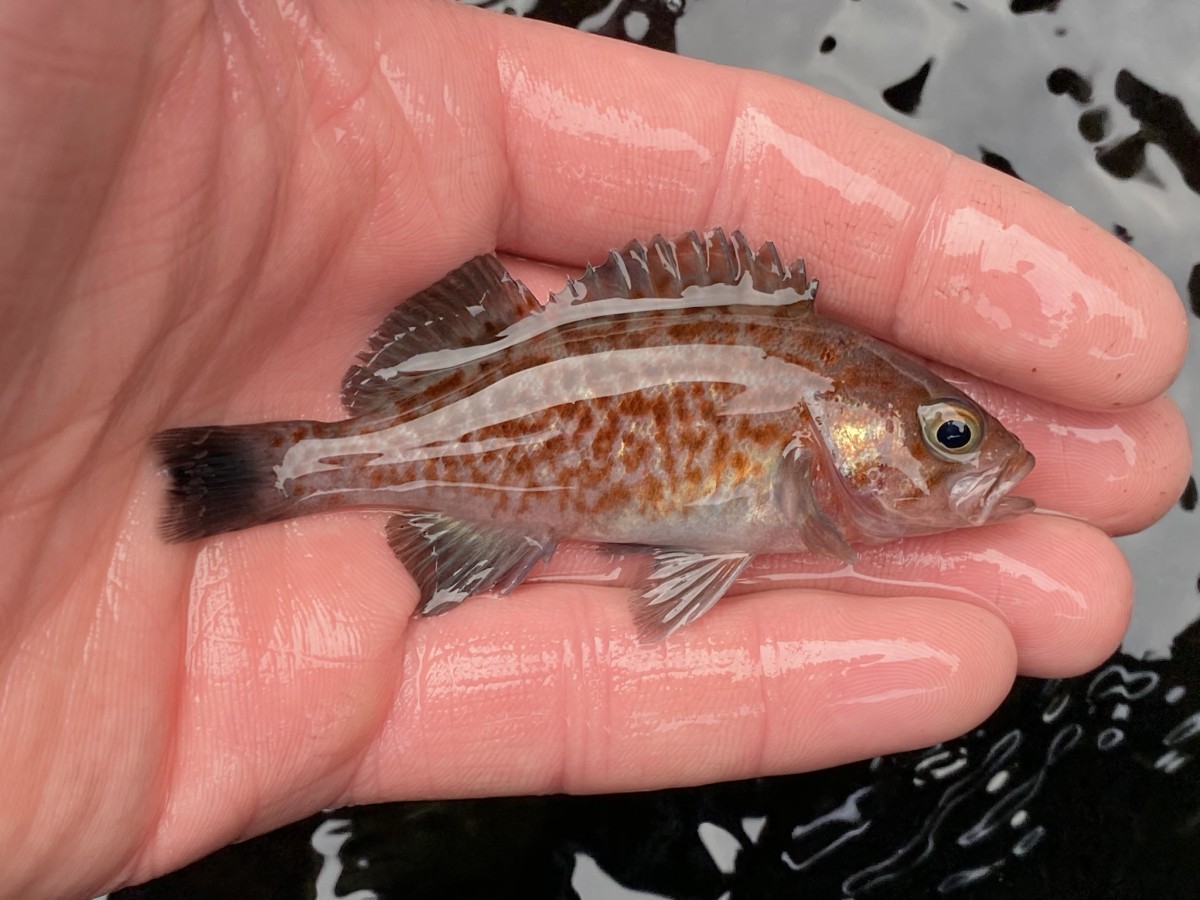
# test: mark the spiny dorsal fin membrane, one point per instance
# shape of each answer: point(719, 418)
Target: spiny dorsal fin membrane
point(667, 268)
point(478, 300)
point(469, 306)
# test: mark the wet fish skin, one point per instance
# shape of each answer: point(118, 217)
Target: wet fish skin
point(684, 396)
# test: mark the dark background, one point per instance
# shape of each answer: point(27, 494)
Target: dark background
point(1086, 787)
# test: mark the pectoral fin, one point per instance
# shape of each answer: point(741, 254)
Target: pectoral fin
point(794, 496)
point(452, 560)
point(681, 587)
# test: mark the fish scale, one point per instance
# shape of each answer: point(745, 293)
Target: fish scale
point(685, 397)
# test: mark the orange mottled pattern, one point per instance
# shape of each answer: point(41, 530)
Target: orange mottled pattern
point(651, 453)
point(595, 465)
point(658, 449)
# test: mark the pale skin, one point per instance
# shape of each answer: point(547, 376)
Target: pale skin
point(206, 214)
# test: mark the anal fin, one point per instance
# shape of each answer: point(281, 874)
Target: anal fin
point(681, 587)
point(451, 559)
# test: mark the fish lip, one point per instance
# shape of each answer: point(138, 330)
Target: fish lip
point(995, 503)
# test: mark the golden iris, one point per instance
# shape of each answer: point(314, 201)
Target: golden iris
point(952, 428)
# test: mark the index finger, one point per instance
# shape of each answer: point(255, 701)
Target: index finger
point(932, 251)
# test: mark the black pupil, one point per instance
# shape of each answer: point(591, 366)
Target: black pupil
point(954, 434)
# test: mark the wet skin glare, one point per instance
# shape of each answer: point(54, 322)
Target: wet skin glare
point(209, 207)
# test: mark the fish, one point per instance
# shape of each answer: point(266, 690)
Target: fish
point(683, 401)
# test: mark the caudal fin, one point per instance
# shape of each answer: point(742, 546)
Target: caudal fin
point(222, 479)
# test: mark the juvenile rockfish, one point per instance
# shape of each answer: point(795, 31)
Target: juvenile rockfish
point(684, 399)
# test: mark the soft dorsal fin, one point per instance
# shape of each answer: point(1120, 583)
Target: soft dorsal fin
point(667, 268)
point(468, 306)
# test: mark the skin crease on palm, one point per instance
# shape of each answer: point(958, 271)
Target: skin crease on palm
point(210, 206)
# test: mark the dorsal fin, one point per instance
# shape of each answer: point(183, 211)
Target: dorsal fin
point(667, 268)
point(468, 306)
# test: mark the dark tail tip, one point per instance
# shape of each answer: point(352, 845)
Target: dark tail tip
point(222, 479)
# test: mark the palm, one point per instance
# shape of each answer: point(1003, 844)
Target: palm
point(264, 198)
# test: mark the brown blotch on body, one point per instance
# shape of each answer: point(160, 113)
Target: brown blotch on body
point(614, 497)
point(721, 446)
point(522, 467)
point(739, 464)
point(691, 441)
point(586, 420)
point(633, 455)
point(762, 433)
point(690, 332)
point(606, 434)
point(635, 405)
point(660, 410)
point(651, 494)
point(829, 355)
point(452, 380)
point(429, 469)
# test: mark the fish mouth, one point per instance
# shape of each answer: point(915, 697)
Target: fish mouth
point(985, 497)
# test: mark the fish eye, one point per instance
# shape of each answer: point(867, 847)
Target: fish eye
point(952, 429)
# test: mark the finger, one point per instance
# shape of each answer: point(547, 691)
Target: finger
point(1120, 470)
point(550, 692)
point(292, 649)
point(940, 254)
point(73, 82)
point(1062, 586)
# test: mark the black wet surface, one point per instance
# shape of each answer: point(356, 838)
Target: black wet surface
point(1028, 6)
point(996, 161)
point(905, 96)
point(1067, 81)
point(1084, 787)
point(1081, 787)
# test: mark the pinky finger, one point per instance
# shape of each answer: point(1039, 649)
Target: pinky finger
point(560, 697)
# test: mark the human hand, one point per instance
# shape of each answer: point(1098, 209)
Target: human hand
point(207, 211)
